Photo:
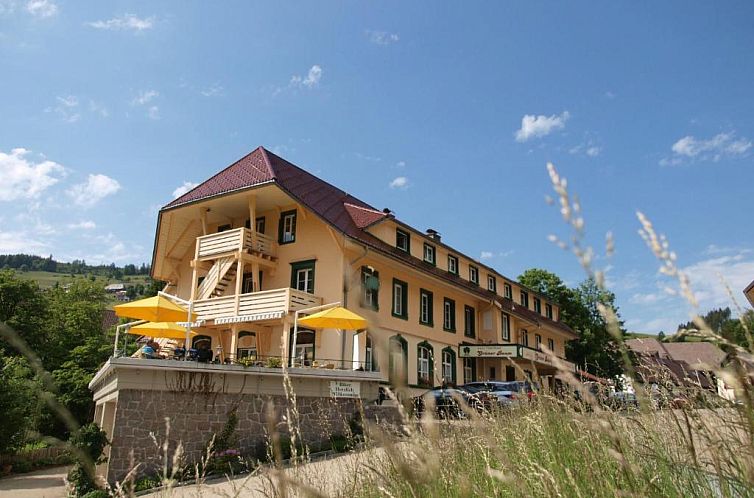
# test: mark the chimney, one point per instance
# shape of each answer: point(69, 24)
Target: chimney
point(433, 234)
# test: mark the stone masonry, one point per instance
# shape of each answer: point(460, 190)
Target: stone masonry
point(145, 419)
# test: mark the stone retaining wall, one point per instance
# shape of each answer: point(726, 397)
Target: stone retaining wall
point(194, 418)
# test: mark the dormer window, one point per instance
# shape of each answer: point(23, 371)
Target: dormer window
point(491, 283)
point(548, 311)
point(429, 253)
point(538, 305)
point(508, 291)
point(452, 264)
point(474, 274)
point(402, 240)
point(524, 299)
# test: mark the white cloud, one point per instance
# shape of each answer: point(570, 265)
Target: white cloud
point(7, 7)
point(96, 188)
point(21, 178)
point(83, 225)
point(401, 164)
point(21, 242)
point(145, 97)
point(153, 112)
point(538, 126)
point(311, 80)
point(490, 254)
point(713, 149)
point(127, 22)
point(67, 108)
point(382, 37)
point(215, 90)
point(736, 268)
point(486, 255)
point(593, 151)
point(183, 189)
point(587, 148)
point(610, 95)
point(41, 8)
point(98, 109)
point(400, 182)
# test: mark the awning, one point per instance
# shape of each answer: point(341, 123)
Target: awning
point(154, 309)
point(334, 318)
point(166, 330)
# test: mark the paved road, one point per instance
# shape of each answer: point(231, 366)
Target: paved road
point(47, 483)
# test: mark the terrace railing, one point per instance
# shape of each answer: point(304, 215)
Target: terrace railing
point(238, 239)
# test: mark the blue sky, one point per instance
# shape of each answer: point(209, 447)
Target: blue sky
point(445, 113)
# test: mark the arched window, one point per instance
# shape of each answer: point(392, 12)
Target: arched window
point(199, 342)
point(449, 365)
point(424, 364)
point(398, 360)
point(247, 345)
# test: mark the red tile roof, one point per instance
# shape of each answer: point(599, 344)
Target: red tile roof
point(341, 210)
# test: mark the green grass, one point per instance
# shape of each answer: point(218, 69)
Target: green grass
point(47, 279)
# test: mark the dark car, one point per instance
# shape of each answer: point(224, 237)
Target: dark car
point(522, 389)
point(448, 402)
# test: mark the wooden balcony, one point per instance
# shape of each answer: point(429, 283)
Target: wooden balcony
point(254, 306)
point(231, 241)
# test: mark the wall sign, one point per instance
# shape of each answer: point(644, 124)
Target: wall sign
point(345, 389)
point(488, 351)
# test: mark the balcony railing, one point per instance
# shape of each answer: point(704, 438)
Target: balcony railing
point(235, 240)
point(255, 305)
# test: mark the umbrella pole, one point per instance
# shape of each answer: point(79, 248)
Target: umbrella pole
point(295, 334)
point(188, 331)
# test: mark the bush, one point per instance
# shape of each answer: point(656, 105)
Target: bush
point(97, 493)
point(147, 482)
point(89, 441)
point(274, 363)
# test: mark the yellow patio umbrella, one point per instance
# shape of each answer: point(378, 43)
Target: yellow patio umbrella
point(166, 330)
point(334, 318)
point(154, 309)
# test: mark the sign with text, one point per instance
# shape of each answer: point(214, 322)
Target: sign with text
point(531, 354)
point(489, 351)
point(345, 389)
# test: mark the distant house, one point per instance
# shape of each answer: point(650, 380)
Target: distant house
point(686, 364)
point(115, 288)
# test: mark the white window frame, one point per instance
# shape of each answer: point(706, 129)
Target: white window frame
point(429, 253)
point(424, 310)
point(447, 315)
point(447, 366)
point(474, 274)
point(423, 363)
point(308, 278)
point(538, 342)
point(468, 371)
point(407, 238)
point(491, 283)
point(551, 344)
point(452, 264)
point(508, 291)
point(506, 327)
point(525, 337)
point(398, 299)
point(289, 230)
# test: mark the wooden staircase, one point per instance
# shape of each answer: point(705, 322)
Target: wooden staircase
point(218, 278)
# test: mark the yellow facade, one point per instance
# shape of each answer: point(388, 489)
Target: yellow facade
point(246, 292)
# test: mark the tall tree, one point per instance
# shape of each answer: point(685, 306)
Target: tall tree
point(595, 349)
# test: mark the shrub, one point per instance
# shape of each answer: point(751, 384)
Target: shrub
point(274, 363)
point(89, 442)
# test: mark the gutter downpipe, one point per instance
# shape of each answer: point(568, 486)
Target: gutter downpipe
point(295, 326)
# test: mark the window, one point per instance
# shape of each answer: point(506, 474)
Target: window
point(259, 224)
point(424, 364)
point(551, 345)
point(224, 228)
point(468, 370)
point(398, 360)
point(429, 253)
point(508, 291)
point(400, 299)
point(525, 337)
point(493, 373)
point(287, 227)
point(449, 315)
point(491, 283)
point(246, 346)
point(369, 365)
point(548, 311)
point(452, 264)
point(448, 366)
point(402, 240)
point(425, 307)
point(468, 321)
point(538, 305)
point(524, 299)
point(302, 276)
point(370, 288)
point(248, 283)
point(538, 342)
point(506, 327)
point(474, 274)
point(304, 353)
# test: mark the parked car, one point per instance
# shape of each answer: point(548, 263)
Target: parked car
point(622, 400)
point(522, 389)
point(448, 402)
point(498, 391)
